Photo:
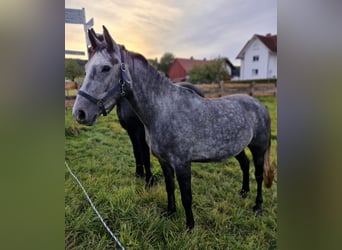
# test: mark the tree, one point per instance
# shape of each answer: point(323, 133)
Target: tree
point(165, 62)
point(154, 62)
point(72, 69)
point(214, 71)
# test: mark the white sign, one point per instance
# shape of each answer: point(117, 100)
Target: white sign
point(75, 16)
point(90, 23)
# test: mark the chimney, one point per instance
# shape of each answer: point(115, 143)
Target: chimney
point(191, 58)
point(268, 35)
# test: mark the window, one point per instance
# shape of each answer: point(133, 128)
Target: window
point(255, 58)
point(255, 72)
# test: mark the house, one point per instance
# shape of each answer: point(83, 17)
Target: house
point(180, 68)
point(259, 58)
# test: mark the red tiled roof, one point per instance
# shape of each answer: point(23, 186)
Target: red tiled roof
point(269, 40)
point(188, 64)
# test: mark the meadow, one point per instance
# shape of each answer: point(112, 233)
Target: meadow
point(101, 157)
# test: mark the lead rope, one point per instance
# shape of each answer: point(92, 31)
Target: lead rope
point(93, 207)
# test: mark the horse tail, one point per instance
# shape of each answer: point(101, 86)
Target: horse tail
point(268, 168)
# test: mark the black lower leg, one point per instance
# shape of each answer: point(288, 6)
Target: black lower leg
point(258, 201)
point(184, 180)
point(170, 187)
point(139, 170)
point(259, 163)
point(258, 158)
point(244, 165)
point(145, 156)
point(135, 139)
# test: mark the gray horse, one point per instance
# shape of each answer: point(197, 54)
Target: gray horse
point(135, 128)
point(136, 131)
point(181, 126)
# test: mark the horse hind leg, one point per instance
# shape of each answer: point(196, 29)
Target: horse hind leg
point(183, 173)
point(169, 176)
point(244, 165)
point(258, 159)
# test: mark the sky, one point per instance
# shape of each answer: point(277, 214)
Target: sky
point(197, 28)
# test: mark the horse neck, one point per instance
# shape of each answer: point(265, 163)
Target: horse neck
point(149, 90)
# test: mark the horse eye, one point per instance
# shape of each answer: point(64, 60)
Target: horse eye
point(105, 68)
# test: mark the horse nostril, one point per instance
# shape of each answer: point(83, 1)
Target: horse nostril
point(81, 115)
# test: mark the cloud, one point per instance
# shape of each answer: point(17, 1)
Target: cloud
point(185, 28)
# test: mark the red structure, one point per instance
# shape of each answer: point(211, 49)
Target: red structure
point(179, 69)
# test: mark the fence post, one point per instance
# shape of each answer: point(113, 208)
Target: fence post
point(251, 92)
point(221, 88)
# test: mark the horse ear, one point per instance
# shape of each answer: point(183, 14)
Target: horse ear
point(93, 39)
point(98, 36)
point(109, 40)
point(93, 32)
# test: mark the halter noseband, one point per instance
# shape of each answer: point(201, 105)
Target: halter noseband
point(101, 102)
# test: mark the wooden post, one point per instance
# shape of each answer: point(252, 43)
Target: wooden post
point(221, 88)
point(251, 92)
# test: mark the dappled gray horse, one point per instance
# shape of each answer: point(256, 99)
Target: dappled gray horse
point(136, 131)
point(135, 128)
point(181, 126)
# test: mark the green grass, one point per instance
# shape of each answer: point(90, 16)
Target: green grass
point(71, 92)
point(101, 157)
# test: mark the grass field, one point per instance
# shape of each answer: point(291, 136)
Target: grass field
point(101, 157)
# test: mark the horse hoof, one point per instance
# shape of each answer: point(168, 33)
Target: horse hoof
point(190, 226)
point(257, 210)
point(243, 193)
point(150, 183)
point(169, 214)
point(139, 175)
point(189, 229)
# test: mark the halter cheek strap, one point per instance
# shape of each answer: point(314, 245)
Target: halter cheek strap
point(124, 80)
point(100, 102)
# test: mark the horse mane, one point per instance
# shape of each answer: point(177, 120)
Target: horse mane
point(138, 56)
point(152, 70)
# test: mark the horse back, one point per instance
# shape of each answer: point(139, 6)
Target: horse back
point(258, 116)
point(202, 129)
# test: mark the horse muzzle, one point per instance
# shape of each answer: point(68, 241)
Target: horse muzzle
point(85, 118)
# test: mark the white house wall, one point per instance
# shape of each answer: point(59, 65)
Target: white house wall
point(266, 65)
point(272, 68)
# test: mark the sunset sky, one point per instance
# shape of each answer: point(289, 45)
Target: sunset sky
point(202, 29)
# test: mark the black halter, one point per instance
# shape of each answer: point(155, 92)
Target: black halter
point(123, 81)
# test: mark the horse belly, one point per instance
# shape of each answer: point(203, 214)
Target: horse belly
point(219, 148)
point(212, 154)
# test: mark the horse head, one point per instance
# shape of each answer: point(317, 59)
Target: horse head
point(107, 77)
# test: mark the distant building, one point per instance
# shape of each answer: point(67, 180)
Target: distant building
point(180, 68)
point(259, 58)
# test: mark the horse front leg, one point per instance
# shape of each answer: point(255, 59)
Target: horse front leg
point(169, 177)
point(183, 173)
point(145, 157)
point(135, 138)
